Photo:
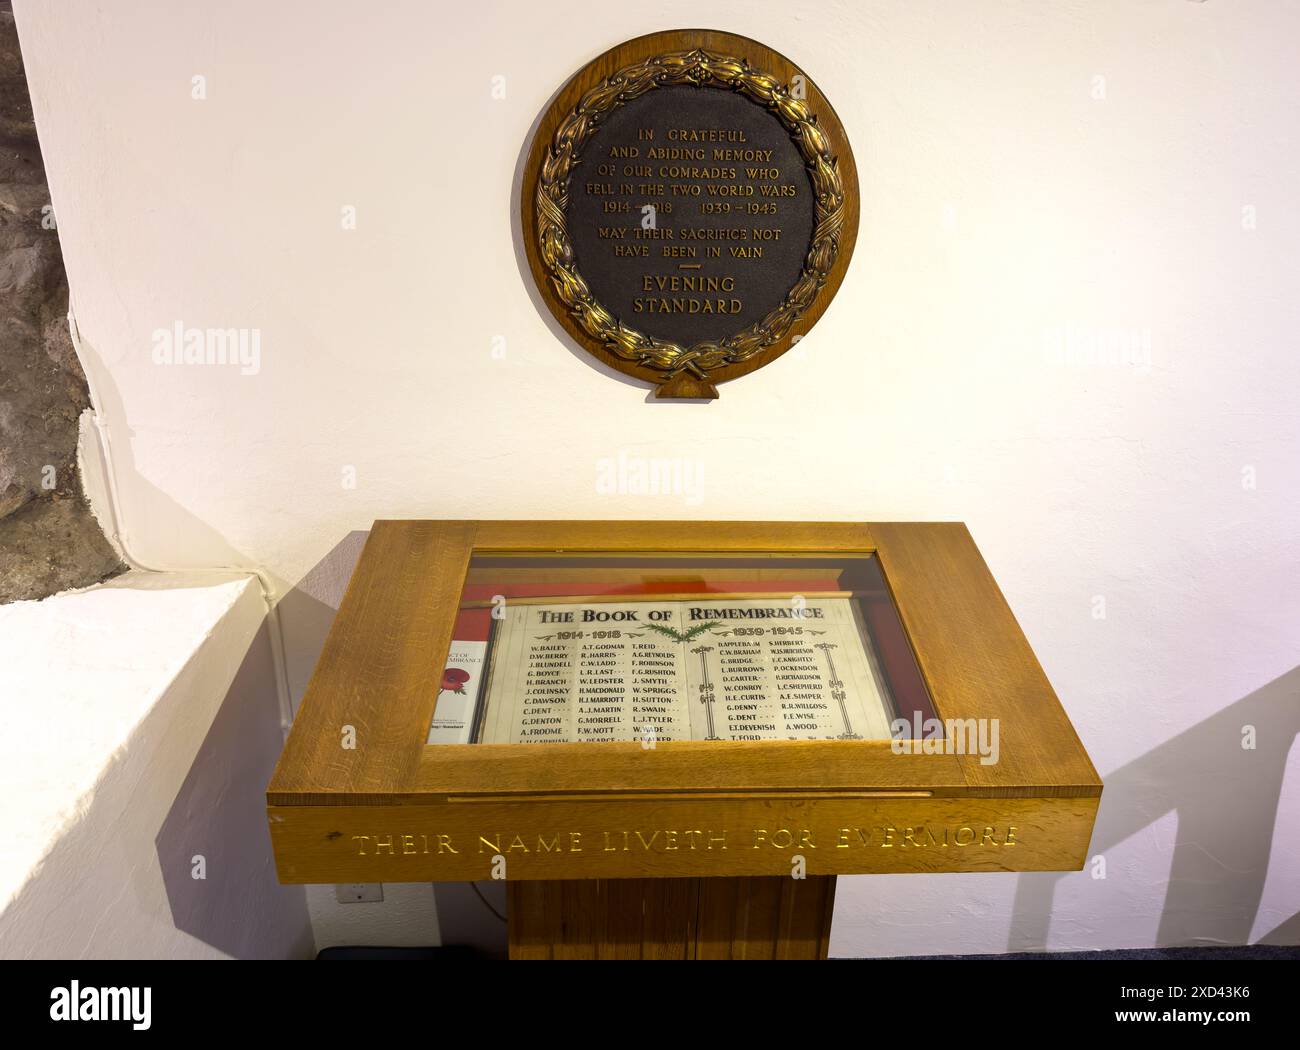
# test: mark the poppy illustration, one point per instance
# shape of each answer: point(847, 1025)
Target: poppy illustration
point(454, 679)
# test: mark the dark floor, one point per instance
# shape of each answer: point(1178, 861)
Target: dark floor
point(1250, 951)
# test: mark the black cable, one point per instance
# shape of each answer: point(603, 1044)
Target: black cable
point(486, 903)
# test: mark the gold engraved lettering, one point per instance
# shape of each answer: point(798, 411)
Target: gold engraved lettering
point(361, 841)
point(386, 843)
point(705, 135)
point(674, 153)
point(741, 156)
point(648, 845)
point(678, 283)
point(686, 305)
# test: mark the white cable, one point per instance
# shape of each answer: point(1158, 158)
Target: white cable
point(119, 538)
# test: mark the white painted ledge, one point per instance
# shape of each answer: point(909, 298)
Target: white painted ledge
point(130, 747)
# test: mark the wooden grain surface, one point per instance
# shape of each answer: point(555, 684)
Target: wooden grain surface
point(760, 57)
point(722, 918)
point(375, 673)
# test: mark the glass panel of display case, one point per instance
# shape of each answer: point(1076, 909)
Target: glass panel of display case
point(560, 648)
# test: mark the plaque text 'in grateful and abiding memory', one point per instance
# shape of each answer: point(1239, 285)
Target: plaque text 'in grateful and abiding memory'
point(691, 213)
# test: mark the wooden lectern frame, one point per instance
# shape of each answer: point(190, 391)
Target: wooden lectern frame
point(390, 808)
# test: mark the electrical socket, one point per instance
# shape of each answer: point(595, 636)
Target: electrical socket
point(359, 892)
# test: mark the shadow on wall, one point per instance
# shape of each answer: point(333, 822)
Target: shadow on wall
point(217, 827)
point(307, 612)
point(1226, 798)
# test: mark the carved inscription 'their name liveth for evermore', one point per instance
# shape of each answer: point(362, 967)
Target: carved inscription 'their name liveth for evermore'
point(661, 840)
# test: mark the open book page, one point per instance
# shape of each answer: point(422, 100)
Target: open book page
point(771, 668)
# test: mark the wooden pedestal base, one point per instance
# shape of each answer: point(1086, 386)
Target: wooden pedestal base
point(719, 918)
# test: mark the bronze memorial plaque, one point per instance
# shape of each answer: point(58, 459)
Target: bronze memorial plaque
point(689, 208)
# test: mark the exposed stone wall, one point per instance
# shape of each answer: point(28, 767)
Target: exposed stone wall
point(49, 540)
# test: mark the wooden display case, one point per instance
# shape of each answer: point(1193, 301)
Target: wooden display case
point(685, 848)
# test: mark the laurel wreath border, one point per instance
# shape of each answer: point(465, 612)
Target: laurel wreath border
point(700, 68)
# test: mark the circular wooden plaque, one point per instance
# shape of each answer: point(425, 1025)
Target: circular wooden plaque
point(689, 208)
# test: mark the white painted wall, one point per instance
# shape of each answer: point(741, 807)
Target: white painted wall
point(140, 724)
point(1037, 178)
